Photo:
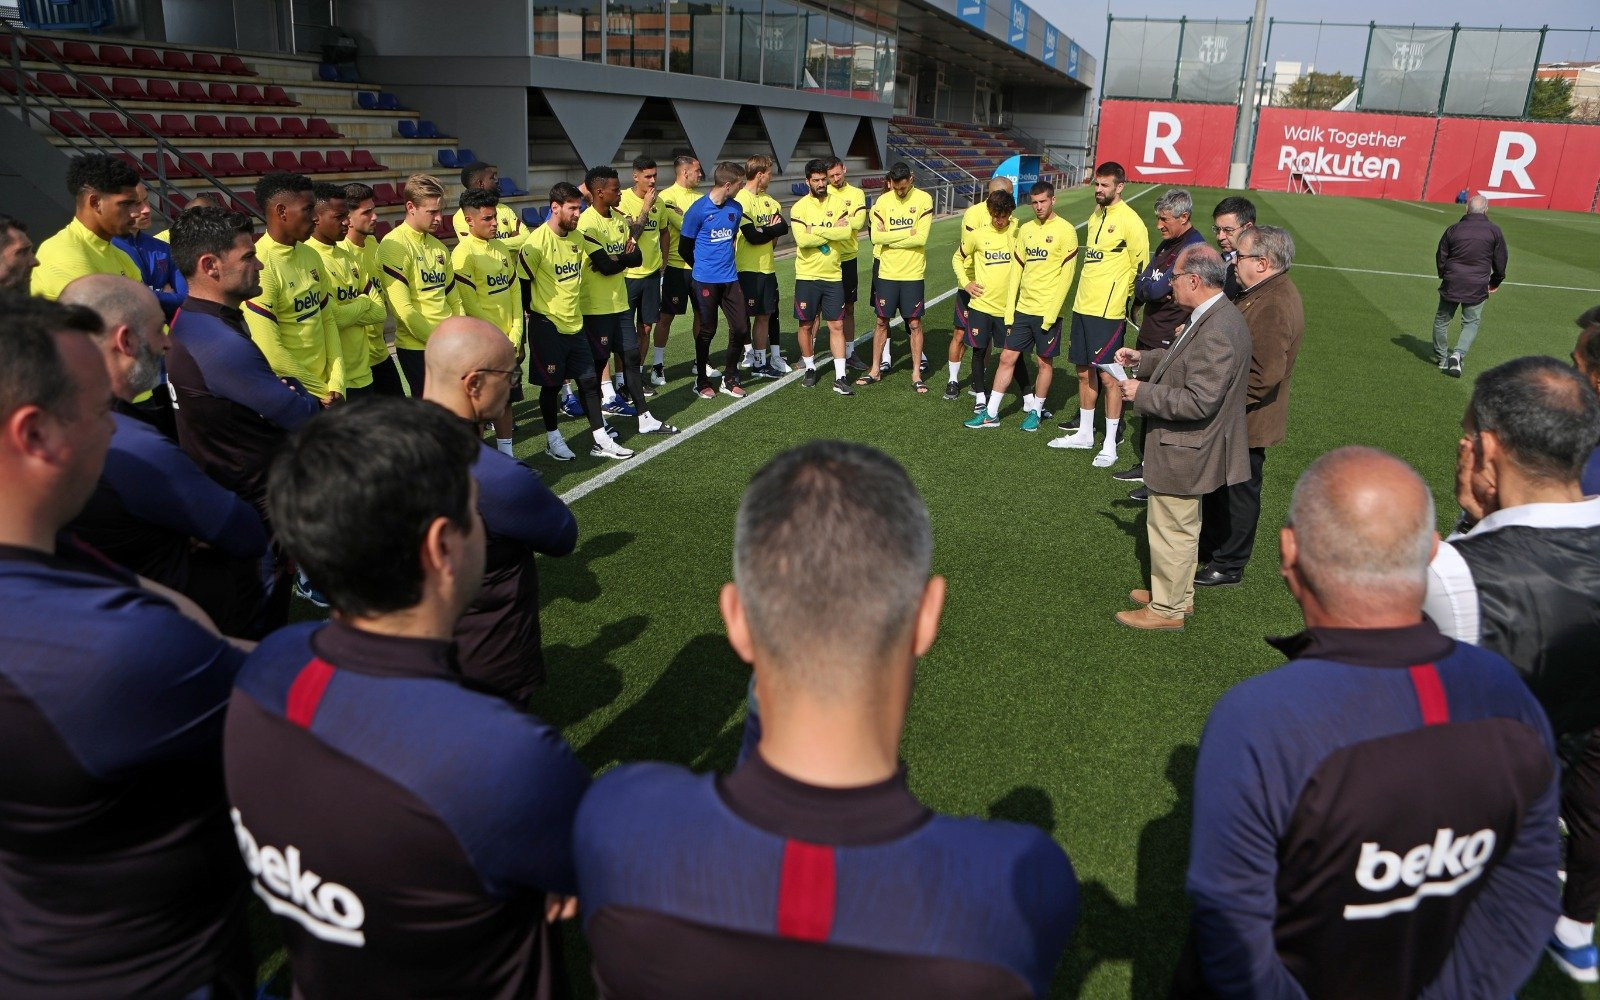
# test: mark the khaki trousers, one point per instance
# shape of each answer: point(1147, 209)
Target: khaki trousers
point(1174, 526)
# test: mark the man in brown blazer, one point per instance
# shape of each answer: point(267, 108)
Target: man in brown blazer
point(1270, 304)
point(1192, 396)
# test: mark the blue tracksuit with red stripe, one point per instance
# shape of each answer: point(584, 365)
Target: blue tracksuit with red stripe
point(760, 885)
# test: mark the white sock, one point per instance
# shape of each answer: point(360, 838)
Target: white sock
point(809, 362)
point(608, 392)
point(1572, 934)
point(648, 421)
point(504, 444)
point(994, 405)
point(955, 371)
point(553, 437)
point(761, 356)
point(1030, 402)
point(886, 353)
point(659, 354)
point(1110, 444)
point(838, 367)
point(1085, 422)
point(601, 437)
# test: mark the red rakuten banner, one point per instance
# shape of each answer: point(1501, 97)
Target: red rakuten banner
point(1168, 143)
point(1526, 164)
point(1341, 152)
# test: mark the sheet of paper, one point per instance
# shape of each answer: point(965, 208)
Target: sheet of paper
point(1116, 371)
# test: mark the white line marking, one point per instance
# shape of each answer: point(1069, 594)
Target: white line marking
point(1427, 208)
point(1435, 277)
point(621, 468)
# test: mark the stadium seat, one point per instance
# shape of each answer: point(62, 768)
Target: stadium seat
point(219, 93)
point(388, 102)
point(366, 100)
point(79, 52)
point(386, 194)
point(112, 124)
point(42, 50)
point(382, 229)
point(508, 189)
point(286, 160)
point(328, 72)
point(70, 123)
point(293, 128)
point(162, 90)
point(407, 128)
point(126, 88)
point(115, 55)
point(278, 96)
point(318, 128)
point(210, 126)
point(535, 215)
point(176, 62)
point(236, 66)
point(441, 227)
point(178, 127)
point(256, 162)
point(799, 189)
point(428, 130)
point(204, 62)
point(179, 200)
point(248, 200)
point(148, 121)
point(58, 84)
point(227, 165)
point(313, 162)
point(175, 168)
point(362, 159)
point(447, 158)
point(339, 161)
point(239, 127)
point(266, 126)
point(249, 93)
point(147, 59)
point(92, 86)
point(465, 156)
point(347, 73)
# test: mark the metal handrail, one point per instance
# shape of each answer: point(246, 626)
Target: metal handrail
point(28, 87)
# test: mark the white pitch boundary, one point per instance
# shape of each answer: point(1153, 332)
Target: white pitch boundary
point(1435, 277)
point(622, 467)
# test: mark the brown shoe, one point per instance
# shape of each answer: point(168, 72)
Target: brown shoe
point(1143, 597)
point(1147, 619)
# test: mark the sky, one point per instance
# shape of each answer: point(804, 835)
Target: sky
point(1341, 49)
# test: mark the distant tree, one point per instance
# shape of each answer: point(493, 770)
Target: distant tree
point(1551, 98)
point(1319, 91)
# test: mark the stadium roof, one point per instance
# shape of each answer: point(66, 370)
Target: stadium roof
point(1023, 48)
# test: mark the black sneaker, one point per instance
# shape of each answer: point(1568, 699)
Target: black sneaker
point(1454, 371)
point(1131, 475)
point(1140, 495)
point(855, 364)
point(812, 377)
point(842, 387)
point(1071, 423)
point(952, 390)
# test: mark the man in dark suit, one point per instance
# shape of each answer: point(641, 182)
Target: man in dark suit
point(1472, 262)
point(1270, 304)
point(1192, 396)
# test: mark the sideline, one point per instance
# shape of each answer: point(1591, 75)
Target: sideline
point(1435, 277)
point(620, 469)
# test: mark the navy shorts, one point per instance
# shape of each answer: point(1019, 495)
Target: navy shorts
point(963, 313)
point(983, 330)
point(1094, 339)
point(904, 297)
point(553, 356)
point(760, 292)
point(851, 277)
point(644, 298)
point(610, 333)
point(1029, 335)
point(676, 294)
point(815, 299)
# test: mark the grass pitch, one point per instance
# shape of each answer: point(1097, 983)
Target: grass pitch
point(1034, 705)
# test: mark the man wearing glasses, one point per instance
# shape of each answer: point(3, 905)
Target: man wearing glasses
point(1231, 217)
point(471, 364)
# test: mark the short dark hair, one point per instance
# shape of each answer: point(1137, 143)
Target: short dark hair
point(279, 183)
point(478, 198)
point(324, 192)
point(31, 369)
point(1589, 346)
point(1242, 209)
point(1042, 187)
point(683, 157)
point(352, 494)
point(1545, 414)
point(203, 230)
point(727, 172)
point(898, 171)
point(474, 170)
point(1000, 203)
point(816, 165)
point(562, 192)
point(10, 224)
point(356, 192)
point(834, 161)
point(643, 162)
point(101, 173)
point(1113, 170)
point(202, 199)
point(602, 172)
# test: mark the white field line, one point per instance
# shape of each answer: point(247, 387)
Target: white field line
point(1435, 277)
point(620, 469)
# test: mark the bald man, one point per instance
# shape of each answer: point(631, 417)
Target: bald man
point(1377, 817)
point(153, 511)
point(470, 367)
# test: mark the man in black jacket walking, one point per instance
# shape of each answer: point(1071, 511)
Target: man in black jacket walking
point(1472, 263)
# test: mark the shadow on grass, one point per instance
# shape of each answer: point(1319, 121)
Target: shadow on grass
point(1128, 516)
point(1150, 933)
point(1423, 349)
point(581, 679)
point(1026, 804)
point(684, 716)
point(571, 576)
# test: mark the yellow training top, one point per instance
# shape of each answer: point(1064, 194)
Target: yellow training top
point(853, 209)
point(507, 226)
point(555, 266)
point(820, 233)
point(675, 201)
point(354, 309)
point(649, 237)
point(1049, 252)
point(74, 252)
point(366, 258)
point(762, 210)
point(989, 257)
point(292, 319)
point(1116, 248)
point(900, 228)
point(486, 278)
point(419, 283)
point(603, 294)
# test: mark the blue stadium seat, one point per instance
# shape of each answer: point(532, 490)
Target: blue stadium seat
point(465, 156)
point(347, 73)
point(388, 102)
point(799, 188)
point(447, 158)
point(366, 100)
point(326, 71)
point(428, 130)
point(508, 189)
point(408, 129)
point(534, 216)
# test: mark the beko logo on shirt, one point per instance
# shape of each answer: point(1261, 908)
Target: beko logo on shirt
point(902, 222)
point(499, 280)
point(997, 256)
point(1440, 868)
point(721, 235)
point(568, 270)
point(328, 910)
point(431, 277)
point(1037, 253)
point(310, 300)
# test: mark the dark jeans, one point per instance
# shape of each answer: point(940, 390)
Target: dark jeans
point(1580, 807)
point(708, 298)
point(1228, 517)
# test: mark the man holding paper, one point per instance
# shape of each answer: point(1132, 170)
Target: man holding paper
point(1192, 396)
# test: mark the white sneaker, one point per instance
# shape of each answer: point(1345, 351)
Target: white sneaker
point(779, 365)
point(558, 450)
point(1083, 441)
point(749, 359)
point(604, 447)
point(1105, 459)
point(712, 373)
point(658, 375)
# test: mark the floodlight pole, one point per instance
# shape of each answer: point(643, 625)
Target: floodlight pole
point(1239, 169)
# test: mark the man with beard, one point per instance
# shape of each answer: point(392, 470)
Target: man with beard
point(17, 259)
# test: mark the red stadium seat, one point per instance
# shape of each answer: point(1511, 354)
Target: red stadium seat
point(42, 50)
point(236, 66)
point(147, 59)
point(220, 93)
point(227, 165)
point(178, 127)
point(128, 88)
point(203, 62)
point(248, 200)
point(112, 124)
point(294, 128)
point(256, 162)
point(176, 62)
point(339, 161)
point(385, 194)
point(362, 159)
point(318, 128)
point(148, 121)
point(239, 127)
point(58, 84)
point(115, 55)
point(162, 90)
point(267, 126)
point(92, 86)
point(284, 159)
point(210, 126)
point(174, 167)
point(79, 52)
point(382, 229)
point(279, 96)
point(70, 123)
point(313, 162)
point(249, 93)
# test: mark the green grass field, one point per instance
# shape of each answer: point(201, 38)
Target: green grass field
point(1034, 705)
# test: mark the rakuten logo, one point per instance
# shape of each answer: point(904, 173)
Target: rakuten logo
point(328, 910)
point(1162, 130)
point(1441, 868)
point(1513, 152)
point(1321, 164)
